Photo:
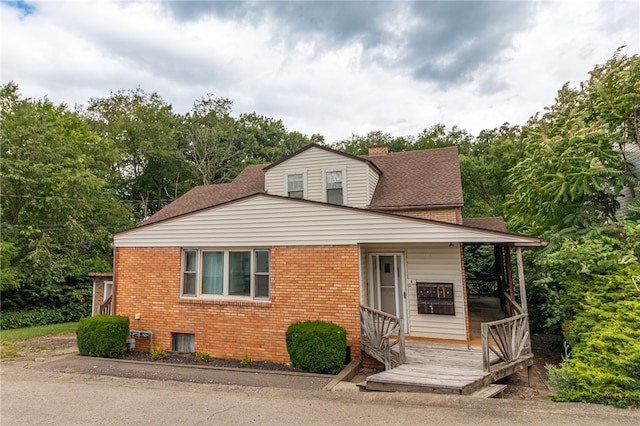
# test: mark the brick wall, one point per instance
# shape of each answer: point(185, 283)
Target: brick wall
point(450, 215)
point(98, 295)
point(307, 283)
point(99, 279)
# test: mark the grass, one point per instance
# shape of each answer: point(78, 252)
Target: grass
point(38, 331)
point(9, 350)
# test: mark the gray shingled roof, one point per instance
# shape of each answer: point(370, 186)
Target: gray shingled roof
point(429, 178)
point(249, 181)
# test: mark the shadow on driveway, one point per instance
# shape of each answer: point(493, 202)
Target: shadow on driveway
point(182, 373)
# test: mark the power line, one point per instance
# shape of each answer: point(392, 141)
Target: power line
point(55, 197)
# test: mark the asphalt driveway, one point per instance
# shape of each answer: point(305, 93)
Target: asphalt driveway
point(77, 364)
point(75, 390)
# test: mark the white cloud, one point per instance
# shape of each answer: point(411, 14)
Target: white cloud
point(78, 50)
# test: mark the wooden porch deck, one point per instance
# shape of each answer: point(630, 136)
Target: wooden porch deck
point(443, 368)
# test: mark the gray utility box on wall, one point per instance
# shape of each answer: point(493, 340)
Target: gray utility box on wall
point(435, 298)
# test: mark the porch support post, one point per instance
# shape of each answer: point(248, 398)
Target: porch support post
point(508, 273)
point(523, 290)
point(498, 255)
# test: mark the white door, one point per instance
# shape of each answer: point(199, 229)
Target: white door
point(388, 292)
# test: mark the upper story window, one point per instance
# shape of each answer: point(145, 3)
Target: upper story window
point(233, 273)
point(295, 185)
point(334, 186)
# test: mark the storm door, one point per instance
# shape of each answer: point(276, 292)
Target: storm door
point(388, 289)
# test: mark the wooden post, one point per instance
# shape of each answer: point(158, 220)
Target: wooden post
point(523, 293)
point(509, 275)
point(498, 255)
point(484, 333)
point(523, 290)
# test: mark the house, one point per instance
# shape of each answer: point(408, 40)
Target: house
point(631, 155)
point(226, 268)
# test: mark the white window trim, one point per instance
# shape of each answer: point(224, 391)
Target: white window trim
point(304, 182)
point(344, 183)
point(225, 285)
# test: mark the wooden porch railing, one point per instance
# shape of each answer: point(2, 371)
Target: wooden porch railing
point(381, 336)
point(513, 307)
point(105, 308)
point(507, 338)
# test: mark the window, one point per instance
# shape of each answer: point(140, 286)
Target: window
point(240, 273)
point(212, 272)
point(234, 273)
point(184, 343)
point(334, 186)
point(295, 185)
point(262, 278)
point(189, 272)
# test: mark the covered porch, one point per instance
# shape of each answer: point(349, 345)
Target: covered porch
point(490, 333)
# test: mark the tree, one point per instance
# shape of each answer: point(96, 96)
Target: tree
point(210, 140)
point(57, 208)
point(219, 147)
point(597, 305)
point(574, 170)
point(484, 169)
point(266, 140)
point(567, 188)
point(151, 170)
point(359, 144)
point(613, 94)
point(437, 136)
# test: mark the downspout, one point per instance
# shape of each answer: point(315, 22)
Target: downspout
point(93, 298)
point(114, 289)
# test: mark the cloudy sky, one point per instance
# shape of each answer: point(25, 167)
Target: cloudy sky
point(333, 68)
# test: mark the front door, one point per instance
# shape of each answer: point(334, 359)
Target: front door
point(387, 291)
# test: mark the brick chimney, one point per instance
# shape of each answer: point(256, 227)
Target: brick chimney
point(377, 150)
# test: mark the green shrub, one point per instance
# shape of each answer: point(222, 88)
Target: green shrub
point(246, 362)
point(203, 357)
point(42, 316)
point(317, 346)
point(604, 335)
point(103, 335)
point(158, 354)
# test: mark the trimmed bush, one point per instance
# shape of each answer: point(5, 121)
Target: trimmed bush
point(42, 316)
point(103, 335)
point(317, 346)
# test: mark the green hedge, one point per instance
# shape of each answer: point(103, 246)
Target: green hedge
point(603, 366)
point(103, 335)
point(317, 346)
point(43, 316)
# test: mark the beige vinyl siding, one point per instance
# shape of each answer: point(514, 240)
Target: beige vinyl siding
point(437, 263)
point(373, 182)
point(314, 162)
point(275, 183)
point(262, 220)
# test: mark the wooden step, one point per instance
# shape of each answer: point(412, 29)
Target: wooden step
point(490, 391)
